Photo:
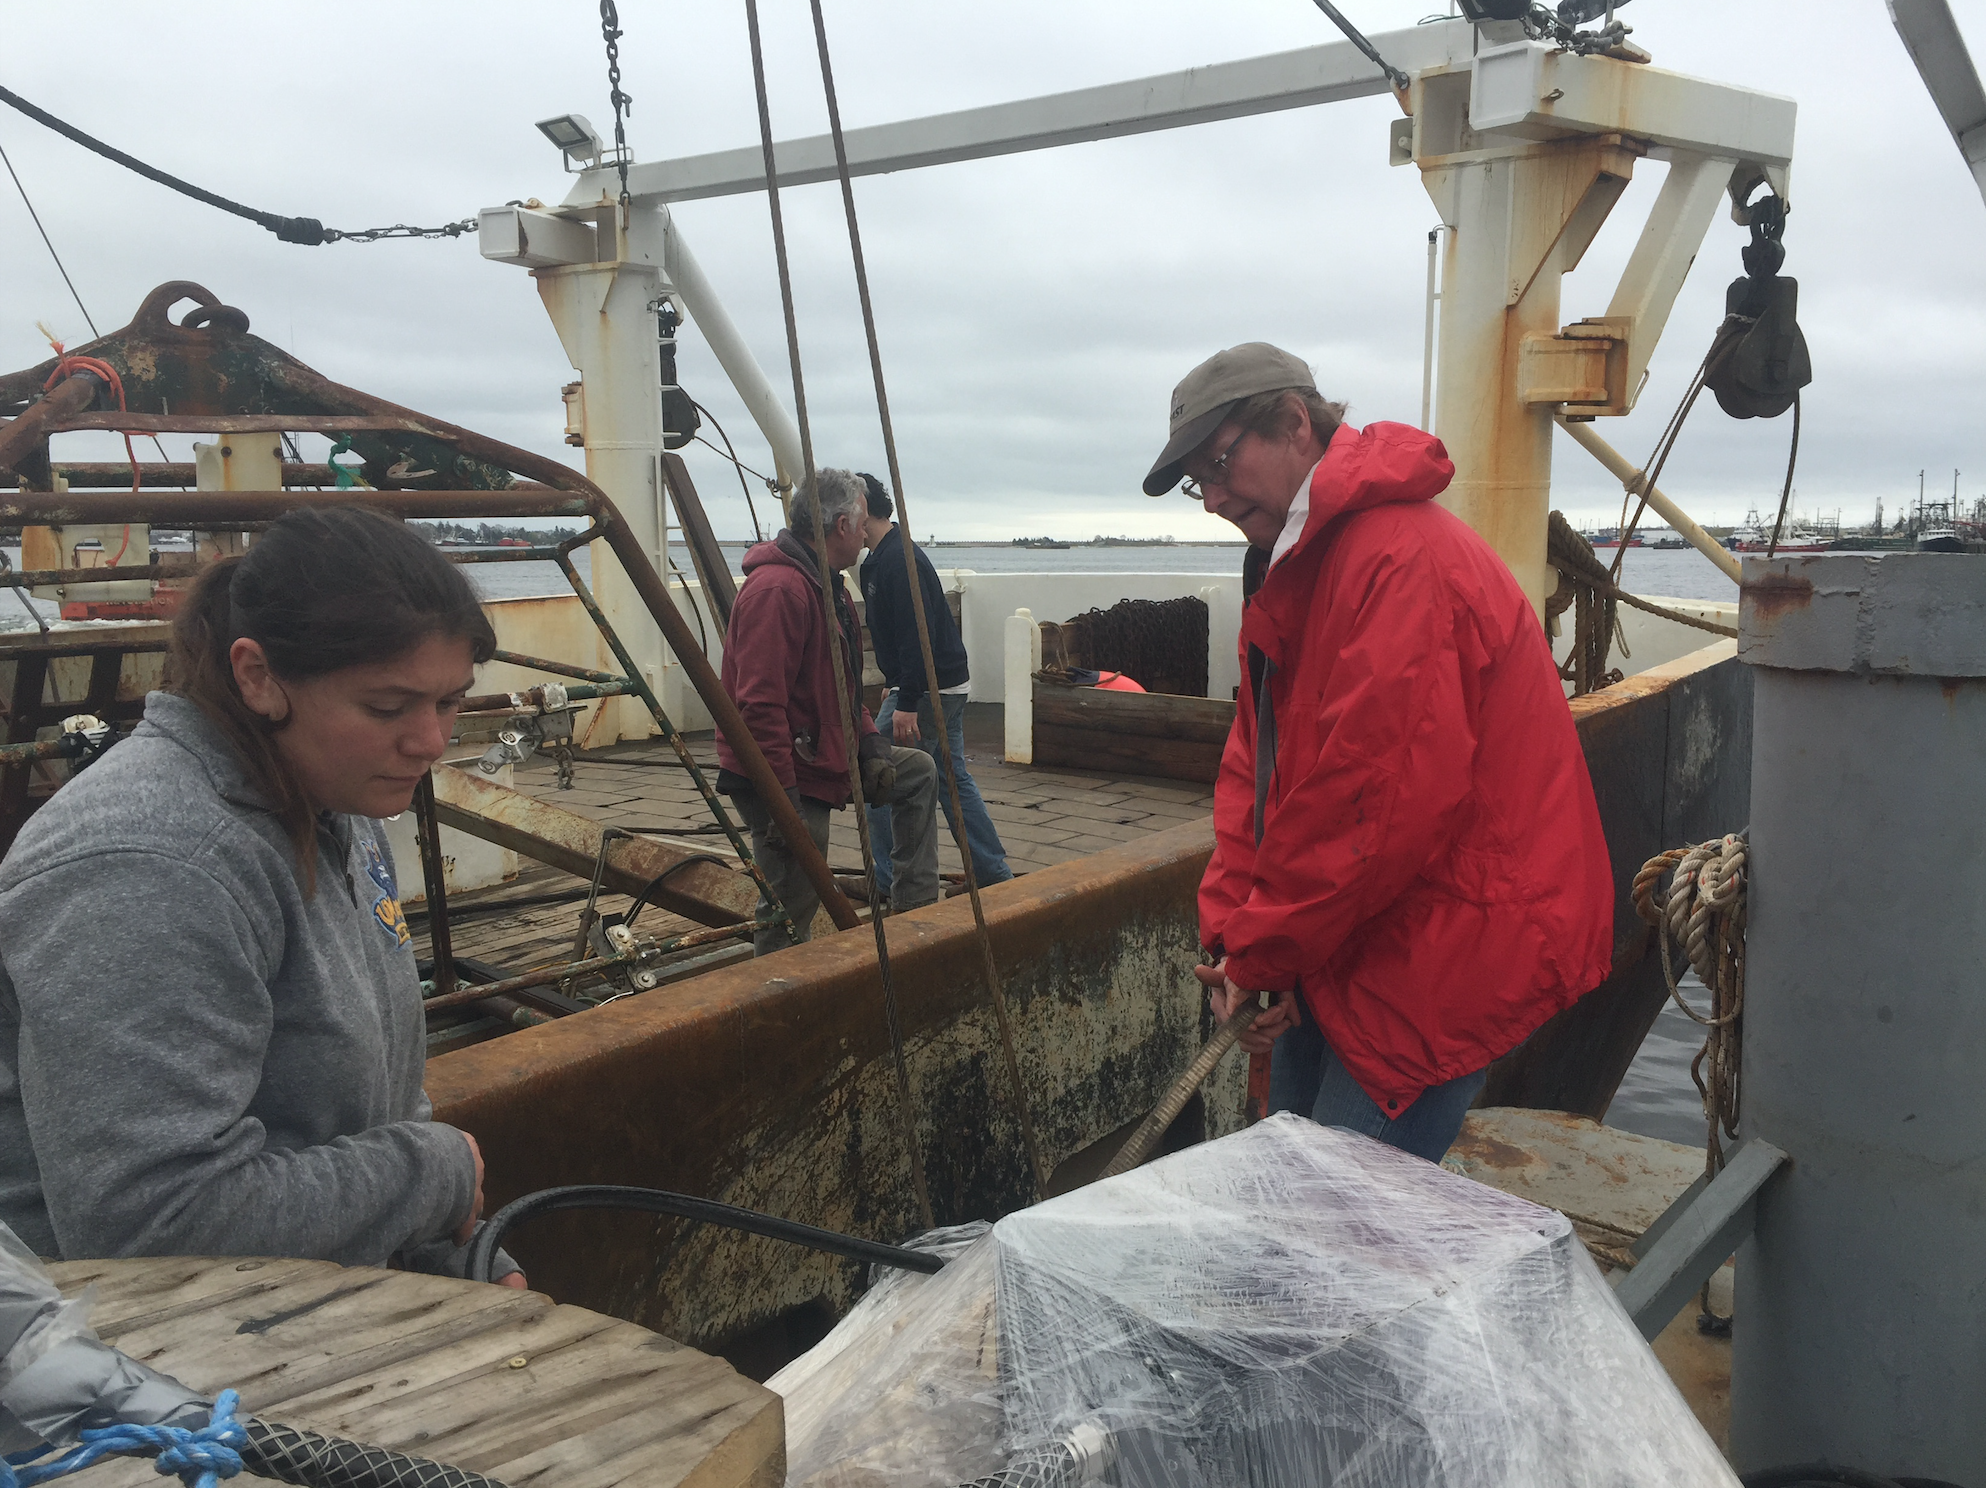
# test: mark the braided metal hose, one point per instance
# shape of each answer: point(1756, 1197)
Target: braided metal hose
point(1153, 1127)
point(312, 1460)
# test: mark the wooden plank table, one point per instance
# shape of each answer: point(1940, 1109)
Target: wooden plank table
point(502, 1382)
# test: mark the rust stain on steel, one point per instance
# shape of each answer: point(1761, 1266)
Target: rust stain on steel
point(1608, 1179)
point(1769, 596)
point(709, 893)
point(769, 1084)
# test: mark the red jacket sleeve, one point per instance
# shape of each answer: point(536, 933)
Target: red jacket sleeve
point(1228, 877)
point(768, 634)
point(1352, 828)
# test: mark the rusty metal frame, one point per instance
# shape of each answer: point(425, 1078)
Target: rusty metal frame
point(219, 363)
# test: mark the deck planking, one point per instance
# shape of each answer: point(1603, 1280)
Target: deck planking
point(1044, 817)
point(501, 1382)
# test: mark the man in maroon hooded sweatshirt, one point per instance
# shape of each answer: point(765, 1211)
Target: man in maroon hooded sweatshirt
point(1408, 866)
point(778, 669)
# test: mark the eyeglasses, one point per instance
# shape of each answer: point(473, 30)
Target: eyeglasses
point(1217, 473)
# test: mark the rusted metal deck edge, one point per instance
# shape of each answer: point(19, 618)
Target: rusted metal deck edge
point(767, 1084)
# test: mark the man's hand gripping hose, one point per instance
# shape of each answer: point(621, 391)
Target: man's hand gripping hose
point(1239, 1013)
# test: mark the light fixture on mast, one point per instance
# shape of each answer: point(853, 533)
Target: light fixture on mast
point(575, 138)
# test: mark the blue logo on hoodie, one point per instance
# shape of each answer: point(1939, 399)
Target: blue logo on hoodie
point(386, 908)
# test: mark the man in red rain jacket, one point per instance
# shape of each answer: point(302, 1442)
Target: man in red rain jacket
point(1408, 857)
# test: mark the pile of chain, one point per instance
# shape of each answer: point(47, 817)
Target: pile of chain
point(1704, 910)
point(1587, 589)
point(1159, 643)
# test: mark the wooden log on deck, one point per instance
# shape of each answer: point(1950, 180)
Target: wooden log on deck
point(1131, 733)
point(711, 893)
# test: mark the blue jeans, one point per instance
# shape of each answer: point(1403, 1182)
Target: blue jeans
point(989, 858)
point(1307, 1078)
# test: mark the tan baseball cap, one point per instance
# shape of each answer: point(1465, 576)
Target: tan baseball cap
point(1207, 394)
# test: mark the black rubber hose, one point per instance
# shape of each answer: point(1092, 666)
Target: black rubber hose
point(641, 900)
point(482, 1251)
point(310, 1460)
point(1822, 1475)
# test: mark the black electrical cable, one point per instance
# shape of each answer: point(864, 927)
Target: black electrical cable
point(307, 231)
point(1786, 490)
point(482, 1251)
point(730, 452)
point(641, 900)
point(1823, 1475)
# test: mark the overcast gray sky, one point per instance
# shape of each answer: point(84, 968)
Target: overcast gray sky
point(1035, 310)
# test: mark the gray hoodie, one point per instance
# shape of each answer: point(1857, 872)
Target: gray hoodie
point(196, 1058)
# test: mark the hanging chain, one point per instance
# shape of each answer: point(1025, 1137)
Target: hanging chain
point(610, 31)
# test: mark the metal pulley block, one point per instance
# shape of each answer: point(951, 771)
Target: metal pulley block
point(1758, 362)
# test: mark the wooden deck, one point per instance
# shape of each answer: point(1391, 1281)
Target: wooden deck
point(501, 1382)
point(1044, 817)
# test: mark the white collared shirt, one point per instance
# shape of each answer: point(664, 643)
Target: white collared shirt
point(1293, 524)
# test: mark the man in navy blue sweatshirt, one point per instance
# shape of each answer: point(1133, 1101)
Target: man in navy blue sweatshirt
point(907, 717)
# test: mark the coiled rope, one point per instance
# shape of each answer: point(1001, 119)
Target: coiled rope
point(1704, 910)
point(200, 1458)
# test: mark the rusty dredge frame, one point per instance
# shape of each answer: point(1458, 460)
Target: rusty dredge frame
point(206, 374)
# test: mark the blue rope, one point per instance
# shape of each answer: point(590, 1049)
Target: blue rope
point(200, 1457)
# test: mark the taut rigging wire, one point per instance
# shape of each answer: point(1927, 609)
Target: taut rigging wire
point(831, 612)
point(933, 692)
point(305, 230)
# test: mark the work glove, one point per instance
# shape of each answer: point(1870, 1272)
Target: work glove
point(878, 779)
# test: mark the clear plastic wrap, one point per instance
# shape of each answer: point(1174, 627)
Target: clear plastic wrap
point(57, 1377)
point(1290, 1305)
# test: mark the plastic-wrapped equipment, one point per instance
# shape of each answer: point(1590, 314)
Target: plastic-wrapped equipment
point(58, 1378)
point(1291, 1305)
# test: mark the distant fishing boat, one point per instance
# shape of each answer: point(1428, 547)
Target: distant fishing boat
point(1610, 538)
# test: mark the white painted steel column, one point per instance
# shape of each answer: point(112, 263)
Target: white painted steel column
point(1517, 220)
point(602, 315)
point(700, 300)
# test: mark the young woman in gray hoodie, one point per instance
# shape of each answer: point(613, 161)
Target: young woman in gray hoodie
point(211, 1034)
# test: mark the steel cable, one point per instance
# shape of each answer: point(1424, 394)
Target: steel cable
point(831, 611)
point(307, 231)
point(933, 691)
point(730, 452)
